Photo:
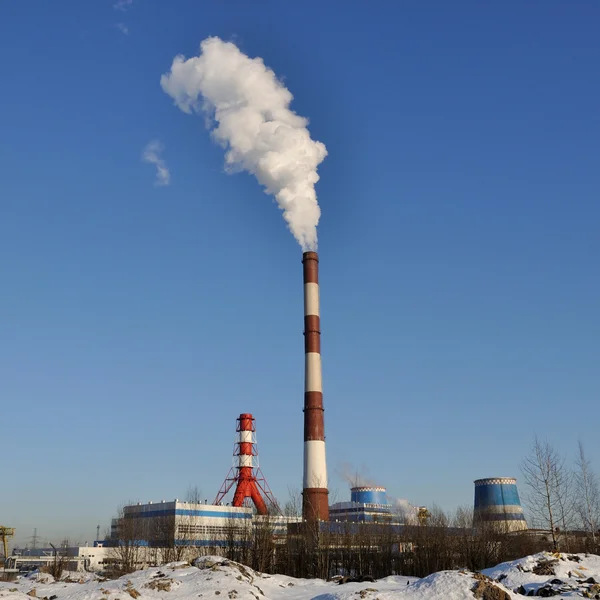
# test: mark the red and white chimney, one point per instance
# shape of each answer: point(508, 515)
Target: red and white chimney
point(250, 484)
point(315, 502)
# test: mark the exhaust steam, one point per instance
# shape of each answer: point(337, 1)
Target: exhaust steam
point(247, 110)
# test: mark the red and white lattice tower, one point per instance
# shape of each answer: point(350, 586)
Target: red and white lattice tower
point(250, 483)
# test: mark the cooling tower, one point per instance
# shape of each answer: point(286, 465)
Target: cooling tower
point(497, 504)
point(315, 504)
point(369, 495)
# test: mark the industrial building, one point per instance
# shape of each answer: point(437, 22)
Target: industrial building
point(168, 523)
point(164, 523)
point(367, 505)
point(76, 558)
point(217, 525)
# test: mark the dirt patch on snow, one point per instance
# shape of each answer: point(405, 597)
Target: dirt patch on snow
point(486, 589)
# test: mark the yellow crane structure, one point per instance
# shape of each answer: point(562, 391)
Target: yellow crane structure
point(5, 533)
point(423, 515)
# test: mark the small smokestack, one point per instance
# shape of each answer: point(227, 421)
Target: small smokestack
point(315, 504)
point(246, 485)
point(247, 477)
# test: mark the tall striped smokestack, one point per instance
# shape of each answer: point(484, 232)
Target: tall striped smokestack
point(315, 503)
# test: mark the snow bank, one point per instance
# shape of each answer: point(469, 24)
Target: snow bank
point(571, 575)
point(214, 578)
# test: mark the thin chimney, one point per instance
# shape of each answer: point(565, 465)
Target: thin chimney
point(315, 504)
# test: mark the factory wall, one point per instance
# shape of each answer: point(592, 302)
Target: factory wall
point(185, 523)
point(191, 524)
point(79, 558)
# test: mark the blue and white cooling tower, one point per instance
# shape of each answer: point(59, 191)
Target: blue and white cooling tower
point(497, 504)
point(369, 495)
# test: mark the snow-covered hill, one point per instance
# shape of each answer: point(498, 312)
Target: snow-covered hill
point(213, 578)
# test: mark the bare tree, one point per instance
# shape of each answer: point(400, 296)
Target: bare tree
point(238, 539)
point(480, 543)
point(193, 495)
point(293, 507)
point(588, 495)
point(565, 500)
point(430, 543)
point(168, 537)
point(187, 529)
point(548, 480)
point(288, 551)
point(263, 543)
point(130, 535)
point(59, 564)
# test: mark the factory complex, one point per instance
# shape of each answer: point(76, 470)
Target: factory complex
point(178, 529)
point(214, 526)
point(221, 524)
point(252, 510)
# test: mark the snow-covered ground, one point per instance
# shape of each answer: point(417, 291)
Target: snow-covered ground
point(214, 578)
point(571, 575)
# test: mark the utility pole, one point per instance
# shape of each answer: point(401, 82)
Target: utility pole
point(97, 533)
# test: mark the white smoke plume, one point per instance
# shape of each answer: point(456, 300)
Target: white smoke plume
point(152, 155)
point(359, 476)
point(404, 509)
point(123, 5)
point(355, 476)
point(248, 111)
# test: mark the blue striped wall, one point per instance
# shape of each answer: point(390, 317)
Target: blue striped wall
point(496, 494)
point(169, 512)
point(506, 516)
point(369, 496)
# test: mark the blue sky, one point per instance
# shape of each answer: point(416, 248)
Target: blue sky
point(459, 251)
